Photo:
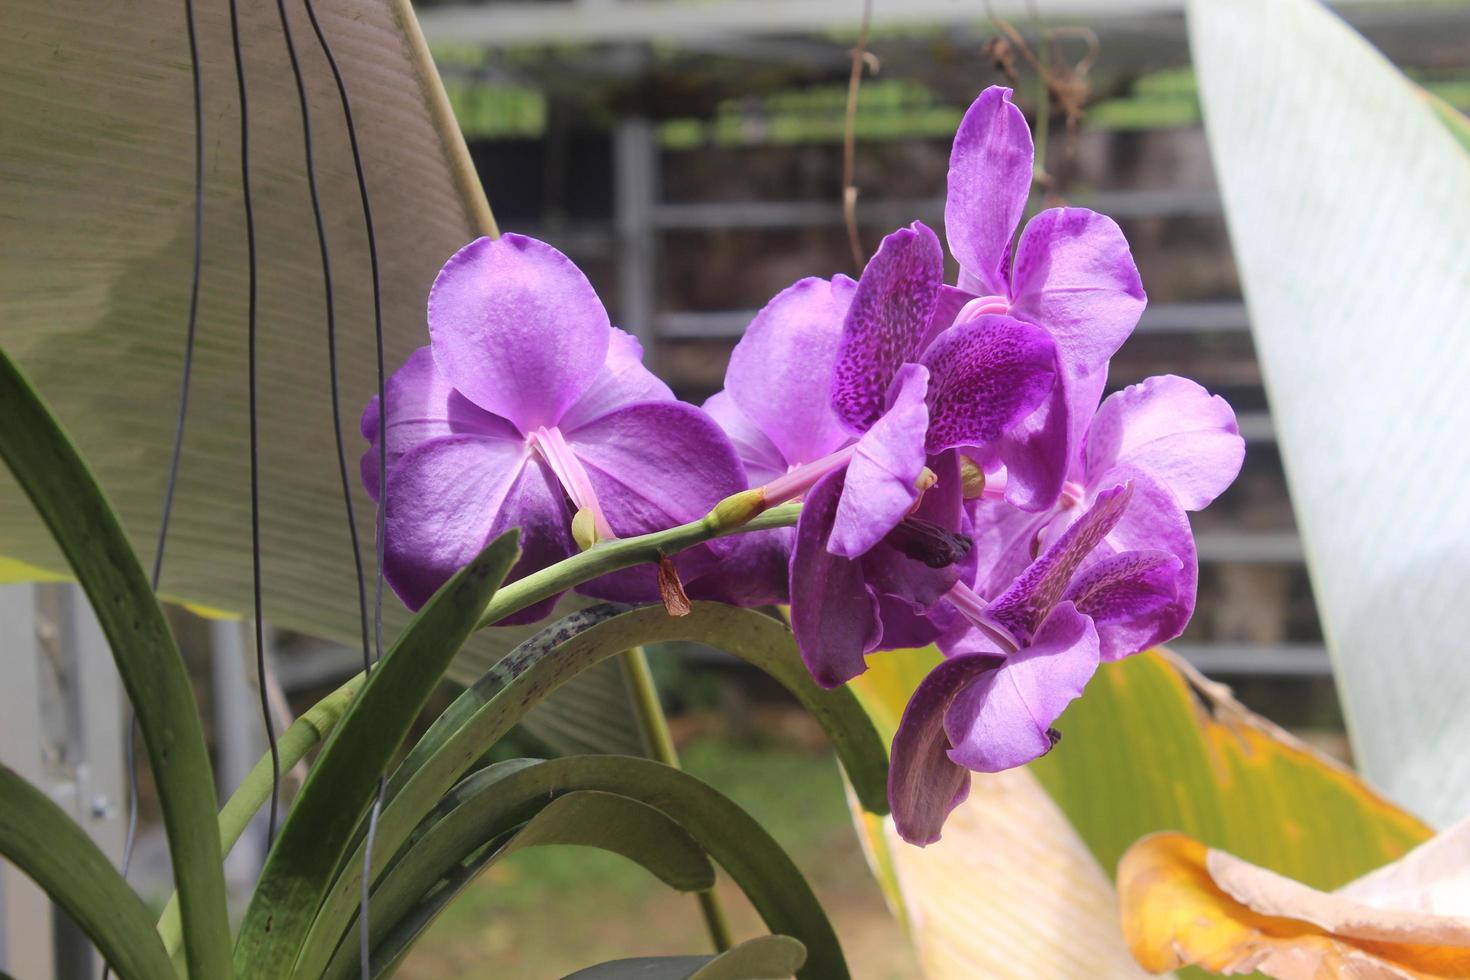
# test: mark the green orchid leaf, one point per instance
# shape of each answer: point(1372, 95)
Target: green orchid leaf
point(485, 712)
point(607, 821)
point(86, 530)
point(508, 793)
point(762, 958)
point(318, 828)
point(39, 838)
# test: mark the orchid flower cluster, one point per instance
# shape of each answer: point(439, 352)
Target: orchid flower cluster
point(960, 483)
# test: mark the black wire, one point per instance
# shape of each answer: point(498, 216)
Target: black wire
point(364, 947)
point(130, 751)
point(321, 237)
point(265, 710)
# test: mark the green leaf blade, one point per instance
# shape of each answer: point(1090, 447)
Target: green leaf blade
point(319, 827)
point(40, 839)
point(60, 485)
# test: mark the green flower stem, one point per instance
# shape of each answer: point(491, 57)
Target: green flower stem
point(660, 743)
point(728, 517)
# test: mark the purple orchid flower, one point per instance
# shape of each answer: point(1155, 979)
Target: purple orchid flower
point(1071, 273)
point(528, 409)
point(839, 391)
point(1024, 657)
point(1177, 445)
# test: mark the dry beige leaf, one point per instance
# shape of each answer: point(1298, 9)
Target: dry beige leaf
point(1186, 904)
point(1009, 891)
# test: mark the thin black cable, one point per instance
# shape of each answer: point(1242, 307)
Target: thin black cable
point(265, 708)
point(130, 750)
point(364, 941)
point(331, 311)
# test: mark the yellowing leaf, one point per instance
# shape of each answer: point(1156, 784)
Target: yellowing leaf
point(1184, 903)
point(1152, 745)
point(1010, 890)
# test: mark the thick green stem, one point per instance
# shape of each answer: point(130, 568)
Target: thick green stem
point(660, 743)
point(621, 553)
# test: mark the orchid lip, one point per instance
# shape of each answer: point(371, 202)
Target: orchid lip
point(981, 306)
point(975, 609)
point(802, 478)
point(551, 445)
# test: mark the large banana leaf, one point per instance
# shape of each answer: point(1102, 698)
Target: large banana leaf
point(96, 201)
point(1348, 201)
point(1150, 746)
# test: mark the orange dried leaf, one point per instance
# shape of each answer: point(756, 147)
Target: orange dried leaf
point(1186, 904)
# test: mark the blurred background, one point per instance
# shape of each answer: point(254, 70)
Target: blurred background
point(690, 158)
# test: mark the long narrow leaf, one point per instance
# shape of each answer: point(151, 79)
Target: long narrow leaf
point(40, 839)
point(1348, 201)
point(522, 679)
point(734, 839)
point(85, 528)
point(607, 821)
point(762, 958)
point(319, 827)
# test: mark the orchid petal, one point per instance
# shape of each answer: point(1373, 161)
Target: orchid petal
point(755, 572)
point(517, 328)
point(1003, 719)
point(886, 323)
point(947, 306)
point(652, 466)
point(623, 380)
point(1074, 275)
point(989, 181)
point(833, 613)
point(1031, 597)
point(1005, 543)
point(422, 405)
point(924, 785)
point(1038, 450)
point(448, 497)
point(780, 371)
point(655, 465)
point(762, 460)
point(918, 586)
point(987, 375)
point(1174, 429)
point(1154, 520)
point(1123, 595)
point(882, 478)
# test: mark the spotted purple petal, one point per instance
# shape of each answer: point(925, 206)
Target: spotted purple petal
point(1123, 595)
point(1031, 597)
point(986, 375)
point(888, 320)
